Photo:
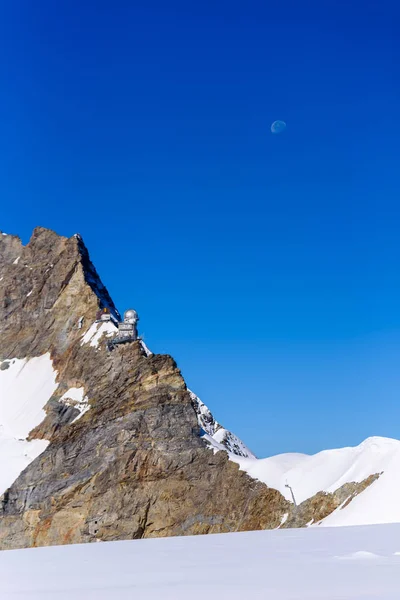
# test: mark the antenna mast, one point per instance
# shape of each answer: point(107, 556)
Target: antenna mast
point(291, 491)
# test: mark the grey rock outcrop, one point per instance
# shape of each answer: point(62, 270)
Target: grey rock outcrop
point(46, 287)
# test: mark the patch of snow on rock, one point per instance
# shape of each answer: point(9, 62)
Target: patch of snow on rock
point(25, 387)
point(96, 332)
point(284, 519)
point(76, 397)
point(146, 349)
point(16, 261)
point(216, 435)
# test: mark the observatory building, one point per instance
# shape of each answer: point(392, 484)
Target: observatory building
point(127, 329)
point(103, 315)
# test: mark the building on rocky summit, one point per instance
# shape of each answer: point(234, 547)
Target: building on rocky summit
point(103, 315)
point(127, 329)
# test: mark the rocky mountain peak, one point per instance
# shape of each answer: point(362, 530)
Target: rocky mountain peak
point(11, 248)
point(92, 278)
point(119, 449)
point(101, 442)
point(47, 287)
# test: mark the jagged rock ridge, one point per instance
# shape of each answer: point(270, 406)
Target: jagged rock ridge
point(46, 287)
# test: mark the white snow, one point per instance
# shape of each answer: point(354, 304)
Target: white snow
point(145, 348)
point(380, 502)
point(25, 387)
point(356, 563)
point(15, 456)
point(360, 555)
point(329, 470)
point(76, 397)
point(284, 519)
point(216, 435)
point(96, 332)
point(16, 261)
point(73, 396)
point(231, 442)
point(29, 293)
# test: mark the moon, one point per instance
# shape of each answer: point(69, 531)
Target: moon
point(278, 126)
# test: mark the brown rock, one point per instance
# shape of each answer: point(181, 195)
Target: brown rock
point(320, 506)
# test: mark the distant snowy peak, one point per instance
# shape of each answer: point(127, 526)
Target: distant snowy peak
point(232, 443)
point(375, 461)
point(216, 435)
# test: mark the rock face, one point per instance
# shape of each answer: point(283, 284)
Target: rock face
point(46, 287)
point(132, 465)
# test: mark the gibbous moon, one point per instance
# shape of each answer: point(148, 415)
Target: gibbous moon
point(278, 126)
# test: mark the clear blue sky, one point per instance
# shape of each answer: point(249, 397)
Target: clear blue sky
point(267, 265)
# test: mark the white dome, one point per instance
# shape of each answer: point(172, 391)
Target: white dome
point(130, 315)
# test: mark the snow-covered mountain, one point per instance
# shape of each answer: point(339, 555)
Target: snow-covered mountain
point(331, 470)
point(102, 444)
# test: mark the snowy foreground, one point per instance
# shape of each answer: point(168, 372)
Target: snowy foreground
point(346, 563)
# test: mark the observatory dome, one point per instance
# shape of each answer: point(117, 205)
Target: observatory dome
point(130, 316)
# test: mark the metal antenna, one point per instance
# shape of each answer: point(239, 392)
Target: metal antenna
point(291, 491)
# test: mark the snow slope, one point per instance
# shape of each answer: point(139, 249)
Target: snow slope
point(217, 436)
point(25, 387)
point(329, 470)
point(96, 331)
point(379, 503)
point(356, 563)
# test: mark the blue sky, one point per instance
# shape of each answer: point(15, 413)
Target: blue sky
point(267, 265)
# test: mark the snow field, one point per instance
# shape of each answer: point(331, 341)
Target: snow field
point(351, 563)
